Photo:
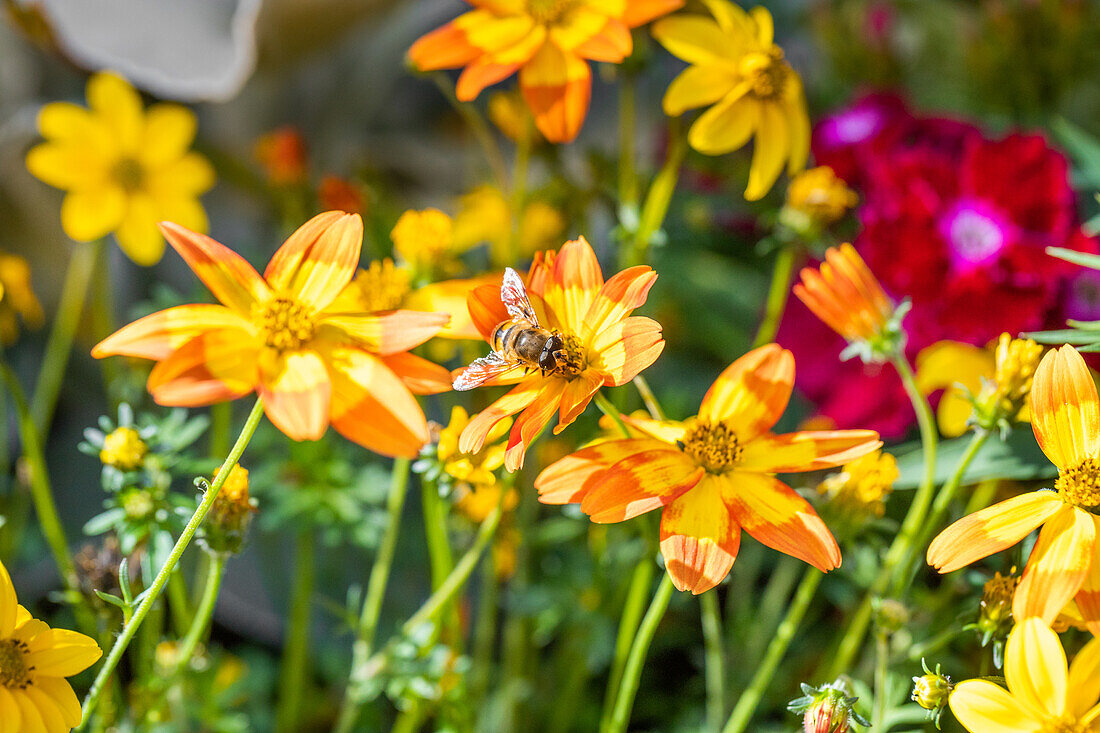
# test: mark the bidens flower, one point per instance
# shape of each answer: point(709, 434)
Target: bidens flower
point(18, 301)
point(714, 475)
point(1065, 415)
point(279, 335)
point(124, 168)
point(603, 343)
point(816, 198)
point(34, 662)
point(737, 68)
point(1043, 696)
point(549, 41)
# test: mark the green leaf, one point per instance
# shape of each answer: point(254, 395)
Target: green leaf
point(1082, 147)
point(1018, 458)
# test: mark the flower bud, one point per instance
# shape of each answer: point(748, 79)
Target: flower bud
point(931, 691)
point(124, 449)
point(230, 515)
point(816, 198)
point(827, 709)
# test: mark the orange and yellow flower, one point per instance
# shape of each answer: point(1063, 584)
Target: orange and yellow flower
point(548, 41)
point(124, 168)
point(34, 662)
point(714, 475)
point(606, 345)
point(1064, 564)
point(1043, 695)
point(737, 68)
point(280, 336)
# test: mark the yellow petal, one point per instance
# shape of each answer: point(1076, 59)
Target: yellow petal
point(138, 235)
point(62, 653)
point(8, 603)
point(770, 151)
point(983, 707)
point(1084, 679)
point(31, 719)
point(941, 366)
point(119, 105)
point(694, 38)
point(1058, 565)
point(799, 125)
point(168, 132)
point(1035, 668)
point(188, 175)
point(88, 215)
point(9, 712)
point(1065, 410)
point(66, 165)
point(697, 86)
point(726, 126)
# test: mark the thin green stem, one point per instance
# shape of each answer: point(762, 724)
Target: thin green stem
point(768, 608)
point(882, 665)
point(715, 659)
point(612, 412)
point(746, 706)
point(648, 398)
point(777, 296)
point(640, 582)
point(204, 614)
point(635, 661)
point(478, 126)
point(292, 673)
point(221, 425)
point(74, 291)
point(659, 195)
point(485, 633)
point(982, 496)
point(161, 579)
point(103, 325)
point(179, 603)
point(628, 178)
point(439, 548)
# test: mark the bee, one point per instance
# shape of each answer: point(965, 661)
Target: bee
point(517, 342)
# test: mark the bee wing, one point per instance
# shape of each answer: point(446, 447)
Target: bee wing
point(482, 370)
point(514, 296)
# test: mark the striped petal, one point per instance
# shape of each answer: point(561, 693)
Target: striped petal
point(532, 420)
point(625, 349)
point(473, 435)
point(371, 406)
point(318, 260)
point(444, 48)
point(752, 393)
point(229, 277)
point(575, 398)
point(776, 516)
point(557, 87)
point(569, 479)
point(640, 483)
point(449, 296)
point(215, 366)
point(1035, 668)
point(157, 335)
point(419, 375)
point(1058, 565)
point(1084, 679)
point(617, 298)
point(574, 283)
point(1088, 597)
point(699, 538)
point(1065, 411)
point(61, 694)
point(983, 707)
point(296, 391)
point(389, 333)
point(807, 450)
point(611, 44)
point(991, 530)
point(62, 653)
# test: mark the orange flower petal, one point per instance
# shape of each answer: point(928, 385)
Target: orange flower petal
point(157, 335)
point(622, 351)
point(699, 539)
point(557, 87)
point(486, 309)
point(612, 44)
point(296, 390)
point(317, 260)
point(480, 74)
point(620, 295)
point(215, 366)
point(752, 393)
point(1088, 597)
point(574, 281)
point(640, 483)
point(1065, 411)
point(473, 435)
point(371, 406)
point(389, 333)
point(532, 420)
point(419, 375)
point(228, 276)
point(991, 530)
point(776, 516)
point(444, 48)
point(1057, 566)
point(575, 398)
point(568, 480)
point(807, 450)
point(640, 12)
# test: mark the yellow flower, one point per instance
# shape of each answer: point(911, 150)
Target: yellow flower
point(124, 168)
point(34, 662)
point(1043, 696)
point(17, 298)
point(473, 471)
point(737, 68)
point(424, 240)
point(123, 448)
point(816, 198)
point(510, 114)
point(862, 485)
point(486, 216)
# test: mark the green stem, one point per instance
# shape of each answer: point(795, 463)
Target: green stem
point(659, 196)
point(632, 672)
point(715, 659)
point(44, 505)
point(777, 296)
point(612, 412)
point(640, 582)
point(485, 632)
point(769, 607)
point(292, 675)
point(982, 496)
point(478, 126)
point(204, 614)
point(74, 291)
point(628, 179)
point(179, 603)
point(746, 705)
point(882, 664)
point(131, 627)
point(221, 425)
point(103, 325)
point(650, 399)
point(439, 548)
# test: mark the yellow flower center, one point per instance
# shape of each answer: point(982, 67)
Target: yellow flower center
point(1064, 724)
point(285, 323)
point(572, 359)
point(13, 666)
point(548, 12)
point(713, 446)
point(128, 174)
point(382, 286)
point(1016, 361)
point(1080, 485)
point(124, 449)
point(766, 71)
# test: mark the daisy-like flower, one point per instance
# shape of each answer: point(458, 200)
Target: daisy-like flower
point(603, 343)
point(1065, 415)
point(737, 68)
point(281, 336)
point(714, 475)
point(1043, 695)
point(34, 662)
point(549, 42)
point(124, 168)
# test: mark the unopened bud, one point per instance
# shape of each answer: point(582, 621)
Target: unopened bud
point(931, 691)
point(230, 515)
point(827, 709)
point(890, 615)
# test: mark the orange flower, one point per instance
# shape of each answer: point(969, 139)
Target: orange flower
point(548, 41)
point(280, 335)
point(847, 297)
point(1065, 415)
point(714, 475)
point(605, 345)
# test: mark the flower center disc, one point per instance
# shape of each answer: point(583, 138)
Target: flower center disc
point(714, 447)
point(571, 358)
point(128, 174)
point(286, 324)
point(13, 670)
point(766, 71)
point(548, 12)
point(382, 286)
point(1080, 485)
point(1063, 725)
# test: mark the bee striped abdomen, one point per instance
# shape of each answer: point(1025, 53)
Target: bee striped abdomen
point(520, 341)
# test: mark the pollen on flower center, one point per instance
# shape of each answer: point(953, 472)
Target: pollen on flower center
point(1080, 485)
point(285, 323)
point(382, 286)
point(572, 359)
point(548, 12)
point(13, 667)
point(128, 174)
point(766, 71)
point(713, 446)
point(1063, 725)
